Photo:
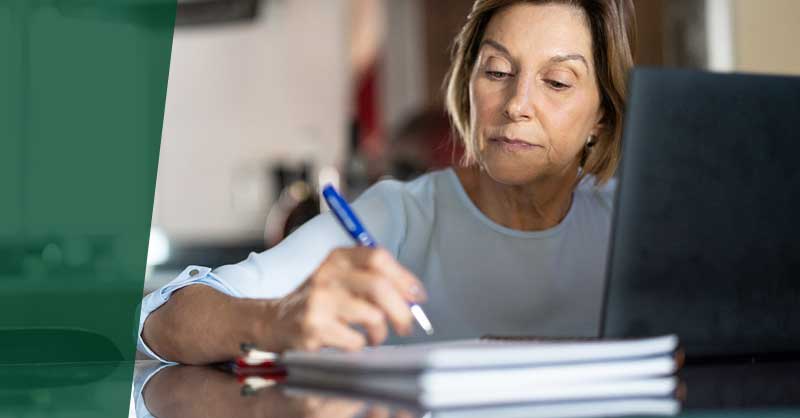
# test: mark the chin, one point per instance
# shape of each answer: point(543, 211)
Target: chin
point(512, 170)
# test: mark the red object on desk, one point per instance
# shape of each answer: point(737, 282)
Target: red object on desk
point(266, 369)
point(259, 363)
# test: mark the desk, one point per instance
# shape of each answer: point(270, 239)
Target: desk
point(769, 390)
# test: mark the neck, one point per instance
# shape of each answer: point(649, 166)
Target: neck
point(533, 206)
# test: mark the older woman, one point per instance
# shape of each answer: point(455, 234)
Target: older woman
point(511, 242)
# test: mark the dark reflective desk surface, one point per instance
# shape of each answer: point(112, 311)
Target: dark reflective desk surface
point(768, 390)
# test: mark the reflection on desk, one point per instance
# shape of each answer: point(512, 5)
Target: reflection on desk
point(88, 390)
point(758, 390)
point(743, 386)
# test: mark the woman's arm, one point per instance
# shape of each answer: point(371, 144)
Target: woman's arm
point(200, 325)
point(301, 294)
point(353, 286)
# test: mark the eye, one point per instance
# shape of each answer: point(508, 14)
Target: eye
point(497, 75)
point(557, 85)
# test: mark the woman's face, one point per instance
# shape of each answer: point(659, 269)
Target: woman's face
point(534, 98)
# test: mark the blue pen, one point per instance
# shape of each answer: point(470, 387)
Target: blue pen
point(347, 218)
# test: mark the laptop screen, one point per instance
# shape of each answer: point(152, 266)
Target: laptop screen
point(706, 236)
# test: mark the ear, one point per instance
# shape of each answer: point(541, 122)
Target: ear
point(599, 122)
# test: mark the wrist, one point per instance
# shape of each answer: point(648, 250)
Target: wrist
point(262, 326)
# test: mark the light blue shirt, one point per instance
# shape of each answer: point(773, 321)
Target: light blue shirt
point(481, 277)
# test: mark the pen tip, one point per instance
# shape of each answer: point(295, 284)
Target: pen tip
point(422, 319)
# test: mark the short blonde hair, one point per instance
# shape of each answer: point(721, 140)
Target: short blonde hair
point(613, 28)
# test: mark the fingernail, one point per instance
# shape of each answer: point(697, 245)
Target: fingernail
point(417, 293)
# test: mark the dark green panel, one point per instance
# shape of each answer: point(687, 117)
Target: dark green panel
point(10, 181)
point(83, 85)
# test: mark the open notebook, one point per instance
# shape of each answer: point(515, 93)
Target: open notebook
point(482, 372)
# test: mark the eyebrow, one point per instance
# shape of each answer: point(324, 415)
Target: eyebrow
point(555, 59)
point(570, 57)
point(496, 45)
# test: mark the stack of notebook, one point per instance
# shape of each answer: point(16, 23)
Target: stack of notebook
point(491, 372)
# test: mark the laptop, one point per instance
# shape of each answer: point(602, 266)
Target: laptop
point(706, 235)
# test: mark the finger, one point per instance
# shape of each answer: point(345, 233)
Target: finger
point(338, 335)
point(381, 292)
point(382, 261)
point(360, 312)
point(406, 282)
point(402, 413)
point(378, 411)
point(334, 407)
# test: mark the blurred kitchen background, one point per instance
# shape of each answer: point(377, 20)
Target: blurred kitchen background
point(267, 99)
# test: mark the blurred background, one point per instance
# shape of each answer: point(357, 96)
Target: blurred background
point(267, 99)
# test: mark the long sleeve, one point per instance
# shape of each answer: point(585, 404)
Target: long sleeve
point(279, 270)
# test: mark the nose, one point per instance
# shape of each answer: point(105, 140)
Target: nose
point(520, 104)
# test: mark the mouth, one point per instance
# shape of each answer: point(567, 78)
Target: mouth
point(512, 144)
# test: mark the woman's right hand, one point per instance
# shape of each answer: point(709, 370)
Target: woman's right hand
point(353, 286)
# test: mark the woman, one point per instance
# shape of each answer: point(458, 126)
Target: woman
point(513, 241)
